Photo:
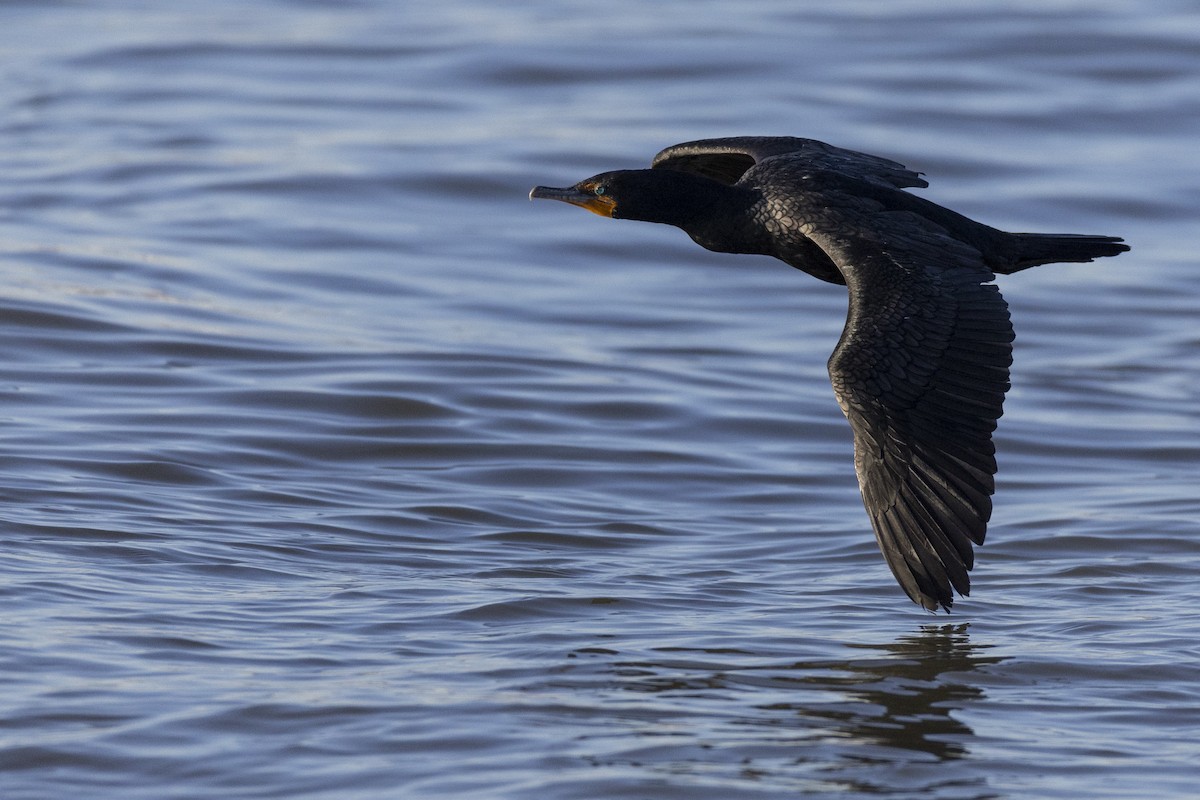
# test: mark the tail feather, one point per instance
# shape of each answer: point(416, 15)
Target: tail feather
point(1033, 249)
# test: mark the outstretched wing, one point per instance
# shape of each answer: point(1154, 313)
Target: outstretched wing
point(920, 372)
point(726, 160)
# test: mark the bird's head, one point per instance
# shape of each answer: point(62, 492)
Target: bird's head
point(602, 194)
point(650, 195)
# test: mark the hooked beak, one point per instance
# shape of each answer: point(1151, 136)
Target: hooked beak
point(604, 206)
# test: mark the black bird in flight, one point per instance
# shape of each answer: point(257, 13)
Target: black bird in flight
point(922, 365)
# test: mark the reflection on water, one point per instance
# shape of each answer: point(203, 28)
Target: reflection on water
point(917, 682)
point(854, 723)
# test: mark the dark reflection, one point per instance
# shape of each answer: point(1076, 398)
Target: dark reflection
point(916, 682)
point(878, 724)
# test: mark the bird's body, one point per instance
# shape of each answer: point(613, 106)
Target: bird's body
point(921, 368)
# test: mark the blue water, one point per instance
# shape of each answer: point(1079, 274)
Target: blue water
point(333, 468)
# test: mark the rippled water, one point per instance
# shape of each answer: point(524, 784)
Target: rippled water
point(334, 468)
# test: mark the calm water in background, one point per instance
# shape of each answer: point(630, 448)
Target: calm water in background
point(333, 468)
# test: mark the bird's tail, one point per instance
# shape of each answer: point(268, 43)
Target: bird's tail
point(1033, 249)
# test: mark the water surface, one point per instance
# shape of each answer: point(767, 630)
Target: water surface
point(334, 468)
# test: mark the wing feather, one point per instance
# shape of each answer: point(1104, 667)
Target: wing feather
point(727, 159)
point(920, 371)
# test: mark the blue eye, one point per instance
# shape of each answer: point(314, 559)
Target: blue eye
point(600, 190)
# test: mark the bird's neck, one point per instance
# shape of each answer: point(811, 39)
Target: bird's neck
point(726, 223)
point(717, 216)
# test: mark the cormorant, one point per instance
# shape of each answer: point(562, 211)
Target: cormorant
point(922, 365)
